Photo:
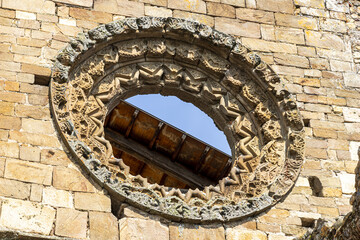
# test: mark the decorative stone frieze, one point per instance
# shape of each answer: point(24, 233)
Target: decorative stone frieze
point(198, 64)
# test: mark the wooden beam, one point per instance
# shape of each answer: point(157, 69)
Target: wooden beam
point(131, 124)
point(202, 159)
point(156, 134)
point(153, 158)
point(178, 148)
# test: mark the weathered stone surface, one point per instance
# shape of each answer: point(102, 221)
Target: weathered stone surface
point(28, 171)
point(92, 201)
point(134, 229)
point(244, 234)
point(34, 139)
point(54, 157)
point(121, 7)
point(189, 232)
point(198, 6)
point(238, 28)
point(290, 35)
point(220, 10)
point(35, 112)
point(71, 223)
point(38, 6)
point(103, 226)
point(8, 122)
point(310, 3)
point(14, 189)
point(295, 21)
point(9, 149)
point(27, 216)
point(255, 15)
point(36, 192)
point(267, 46)
point(57, 198)
point(37, 126)
point(347, 183)
point(7, 108)
point(194, 16)
point(100, 17)
point(30, 153)
point(324, 40)
point(83, 3)
point(285, 6)
point(352, 79)
point(71, 179)
point(157, 11)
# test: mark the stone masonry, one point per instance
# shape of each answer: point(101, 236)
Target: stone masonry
point(313, 45)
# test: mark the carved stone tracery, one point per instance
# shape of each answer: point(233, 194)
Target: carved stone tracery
point(197, 64)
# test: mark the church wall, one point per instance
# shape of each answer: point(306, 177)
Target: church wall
point(313, 45)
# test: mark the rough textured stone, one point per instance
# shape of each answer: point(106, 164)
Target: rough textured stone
point(94, 16)
point(244, 234)
point(194, 16)
point(189, 232)
point(71, 223)
point(267, 46)
point(83, 3)
point(57, 198)
point(197, 6)
point(100, 221)
point(27, 216)
point(14, 189)
point(134, 229)
point(238, 28)
point(71, 179)
point(98, 202)
point(324, 40)
point(54, 157)
point(30, 153)
point(255, 15)
point(28, 171)
point(9, 149)
point(220, 10)
point(121, 7)
point(295, 21)
point(38, 6)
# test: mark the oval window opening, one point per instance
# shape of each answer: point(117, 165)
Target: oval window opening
point(168, 141)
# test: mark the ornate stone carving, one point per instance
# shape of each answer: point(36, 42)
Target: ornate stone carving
point(200, 65)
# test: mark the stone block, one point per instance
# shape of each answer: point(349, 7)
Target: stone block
point(335, 6)
point(9, 149)
point(333, 25)
point(9, 122)
point(28, 171)
point(333, 212)
point(120, 7)
point(37, 126)
point(34, 139)
point(157, 11)
point(285, 6)
point(57, 198)
point(316, 143)
point(100, 221)
point(295, 21)
point(13, 97)
point(92, 202)
point(291, 60)
point(255, 15)
point(36, 192)
point(267, 46)
point(33, 88)
point(267, 32)
point(194, 16)
point(71, 223)
point(289, 71)
point(38, 6)
point(244, 234)
point(71, 179)
point(220, 10)
point(352, 79)
point(162, 3)
point(35, 112)
point(354, 147)
point(310, 3)
point(198, 6)
point(189, 232)
point(14, 189)
point(27, 216)
point(347, 183)
point(324, 40)
point(327, 125)
point(82, 3)
point(134, 229)
point(37, 70)
point(290, 35)
point(30, 153)
point(237, 27)
point(54, 157)
point(94, 16)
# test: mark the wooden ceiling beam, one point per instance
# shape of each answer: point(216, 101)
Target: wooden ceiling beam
point(154, 158)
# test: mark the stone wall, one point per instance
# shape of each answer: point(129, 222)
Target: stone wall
point(312, 45)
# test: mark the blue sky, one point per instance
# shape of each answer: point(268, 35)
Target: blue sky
point(184, 116)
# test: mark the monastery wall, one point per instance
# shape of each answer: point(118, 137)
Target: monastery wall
point(312, 44)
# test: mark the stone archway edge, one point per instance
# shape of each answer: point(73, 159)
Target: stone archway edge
point(89, 76)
